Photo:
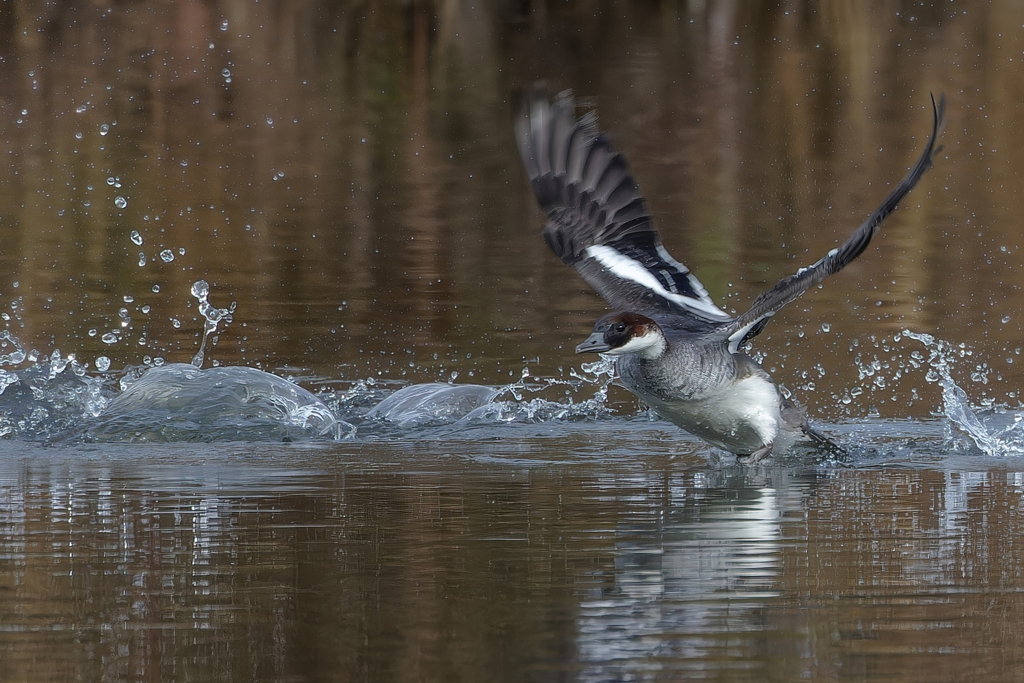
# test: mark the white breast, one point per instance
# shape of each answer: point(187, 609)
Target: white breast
point(742, 417)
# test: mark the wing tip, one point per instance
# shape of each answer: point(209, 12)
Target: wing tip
point(790, 288)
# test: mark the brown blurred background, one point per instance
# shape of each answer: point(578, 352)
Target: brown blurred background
point(346, 172)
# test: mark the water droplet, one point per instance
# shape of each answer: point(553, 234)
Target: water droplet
point(214, 316)
point(111, 180)
point(156, 288)
point(142, 259)
point(224, 25)
point(184, 163)
point(175, 323)
point(136, 238)
point(93, 332)
point(270, 121)
point(166, 255)
point(120, 202)
point(78, 135)
point(226, 73)
point(81, 109)
point(825, 327)
point(1006, 319)
point(102, 363)
point(109, 338)
point(181, 251)
point(145, 309)
point(104, 129)
point(128, 298)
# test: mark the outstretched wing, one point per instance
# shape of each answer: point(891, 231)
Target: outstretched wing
point(748, 325)
point(597, 221)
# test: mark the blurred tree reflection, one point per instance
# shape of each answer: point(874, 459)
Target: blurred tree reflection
point(345, 170)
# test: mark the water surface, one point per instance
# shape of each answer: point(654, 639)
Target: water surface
point(345, 174)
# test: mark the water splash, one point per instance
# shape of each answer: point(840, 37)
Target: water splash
point(212, 314)
point(53, 397)
point(16, 354)
point(463, 405)
point(599, 374)
point(431, 404)
point(997, 432)
point(49, 397)
point(179, 402)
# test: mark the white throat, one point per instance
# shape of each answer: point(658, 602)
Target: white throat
point(649, 346)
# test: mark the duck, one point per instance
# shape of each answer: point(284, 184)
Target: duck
point(672, 345)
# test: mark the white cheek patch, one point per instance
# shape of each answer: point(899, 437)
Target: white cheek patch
point(630, 269)
point(650, 345)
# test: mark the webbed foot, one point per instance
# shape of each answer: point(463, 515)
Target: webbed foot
point(757, 456)
point(822, 441)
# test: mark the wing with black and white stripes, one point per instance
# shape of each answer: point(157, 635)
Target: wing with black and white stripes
point(597, 221)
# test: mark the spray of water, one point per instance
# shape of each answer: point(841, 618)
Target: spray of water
point(11, 353)
point(213, 315)
point(990, 433)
